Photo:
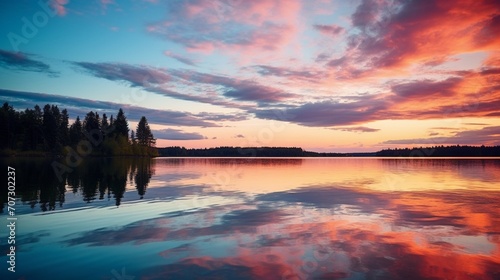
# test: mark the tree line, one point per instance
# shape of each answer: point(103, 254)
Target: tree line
point(242, 152)
point(443, 151)
point(436, 151)
point(47, 132)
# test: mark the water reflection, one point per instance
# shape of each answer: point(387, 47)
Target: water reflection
point(269, 219)
point(386, 174)
point(324, 233)
point(102, 179)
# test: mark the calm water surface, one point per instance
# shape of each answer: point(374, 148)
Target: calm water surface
point(200, 218)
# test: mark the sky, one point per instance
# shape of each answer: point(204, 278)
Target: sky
point(327, 76)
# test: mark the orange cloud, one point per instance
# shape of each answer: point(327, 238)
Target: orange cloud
point(400, 35)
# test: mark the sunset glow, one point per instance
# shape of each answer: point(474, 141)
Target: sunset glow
point(337, 76)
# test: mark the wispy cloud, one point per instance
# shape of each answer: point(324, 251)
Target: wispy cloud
point(176, 134)
point(180, 58)
point(481, 124)
point(80, 107)
point(468, 95)
point(358, 129)
point(249, 91)
point(156, 80)
point(222, 117)
point(135, 75)
point(311, 75)
point(19, 61)
point(330, 113)
point(489, 135)
point(195, 85)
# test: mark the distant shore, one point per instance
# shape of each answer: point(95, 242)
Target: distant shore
point(438, 151)
point(249, 152)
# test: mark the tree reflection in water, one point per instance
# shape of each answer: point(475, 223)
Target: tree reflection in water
point(94, 178)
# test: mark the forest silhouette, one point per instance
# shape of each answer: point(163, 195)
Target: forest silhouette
point(47, 132)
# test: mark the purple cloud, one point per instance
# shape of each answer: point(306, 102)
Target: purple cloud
point(309, 75)
point(155, 80)
point(332, 30)
point(161, 81)
point(368, 13)
point(180, 58)
point(222, 117)
point(19, 61)
point(254, 92)
point(329, 113)
point(490, 71)
point(244, 90)
point(176, 134)
point(487, 136)
point(427, 88)
point(137, 76)
point(363, 109)
point(80, 107)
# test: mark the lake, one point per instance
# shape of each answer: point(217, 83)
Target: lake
point(257, 218)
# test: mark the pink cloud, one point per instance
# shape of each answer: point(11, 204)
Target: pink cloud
point(104, 5)
point(260, 11)
point(244, 28)
point(59, 6)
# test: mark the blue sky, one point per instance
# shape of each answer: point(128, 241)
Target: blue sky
point(322, 75)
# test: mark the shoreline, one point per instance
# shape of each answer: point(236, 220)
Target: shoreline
point(281, 152)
